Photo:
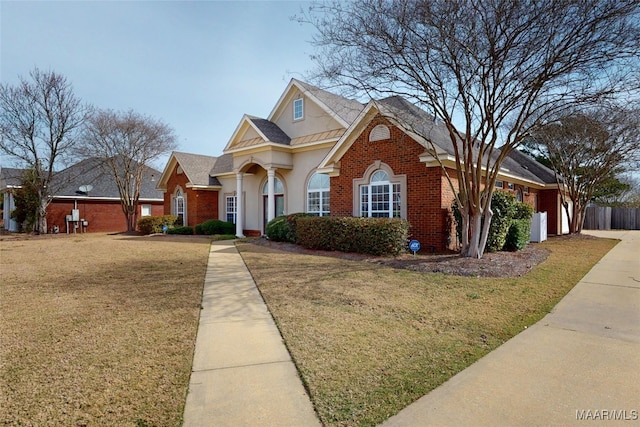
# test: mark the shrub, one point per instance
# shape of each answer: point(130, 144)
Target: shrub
point(215, 226)
point(523, 211)
point(154, 224)
point(503, 207)
point(375, 236)
point(284, 228)
point(506, 211)
point(181, 230)
point(276, 229)
point(518, 235)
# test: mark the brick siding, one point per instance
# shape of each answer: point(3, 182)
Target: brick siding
point(201, 205)
point(428, 200)
point(104, 216)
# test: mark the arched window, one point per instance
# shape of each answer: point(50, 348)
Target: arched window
point(179, 207)
point(278, 188)
point(318, 191)
point(380, 198)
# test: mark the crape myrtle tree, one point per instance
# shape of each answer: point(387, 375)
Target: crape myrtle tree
point(490, 70)
point(40, 119)
point(587, 150)
point(126, 143)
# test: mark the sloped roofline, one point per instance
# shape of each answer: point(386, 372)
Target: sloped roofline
point(303, 88)
point(373, 107)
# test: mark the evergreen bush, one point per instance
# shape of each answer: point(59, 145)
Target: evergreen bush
point(284, 227)
point(185, 230)
point(215, 226)
point(374, 236)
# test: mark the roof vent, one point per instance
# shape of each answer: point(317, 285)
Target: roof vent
point(379, 133)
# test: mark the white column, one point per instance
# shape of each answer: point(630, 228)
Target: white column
point(239, 206)
point(271, 198)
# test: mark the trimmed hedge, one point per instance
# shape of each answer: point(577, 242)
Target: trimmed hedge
point(375, 236)
point(215, 226)
point(503, 207)
point(284, 227)
point(154, 224)
point(518, 235)
point(510, 224)
point(186, 230)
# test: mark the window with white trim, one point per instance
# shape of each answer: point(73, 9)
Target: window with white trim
point(499, 184)
point(298, 109)
point(318, 191)
point(231, 209)
point(178, 207)
point(145, 210)
point(380, 198)
point(278, 188)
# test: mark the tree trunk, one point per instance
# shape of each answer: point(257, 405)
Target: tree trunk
point(473, 251)
point(485, 230)
point(42, 217)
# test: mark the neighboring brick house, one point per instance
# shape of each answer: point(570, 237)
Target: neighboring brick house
point(190, 192)
point(96, 210)
point(321, 153)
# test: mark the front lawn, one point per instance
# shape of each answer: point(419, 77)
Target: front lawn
point(369, 340)
point(98, 330)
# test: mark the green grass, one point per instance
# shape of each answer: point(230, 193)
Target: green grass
point(369, 340)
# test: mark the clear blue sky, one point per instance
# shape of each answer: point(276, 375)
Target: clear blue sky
point(196, 65)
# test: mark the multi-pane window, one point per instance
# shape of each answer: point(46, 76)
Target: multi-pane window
point(231, 209)
point(318, 195)
point(380, 198)
point(298, 109)
point(179, 207)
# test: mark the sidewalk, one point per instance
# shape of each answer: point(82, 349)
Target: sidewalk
point(242, 372)
point(580, 361)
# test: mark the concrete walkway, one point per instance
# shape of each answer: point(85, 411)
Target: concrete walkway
point(242, 372)
point(580, 361)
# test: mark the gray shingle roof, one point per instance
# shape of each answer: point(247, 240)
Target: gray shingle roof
point(347, 109)
point(424, 124)
point(532, 166)
point(223, 165)
point(197, 167)
point(95, 173)
point(10, 177)
point(271, 131)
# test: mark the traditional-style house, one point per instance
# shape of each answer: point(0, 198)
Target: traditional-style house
point(85, 199)
point(321, 153)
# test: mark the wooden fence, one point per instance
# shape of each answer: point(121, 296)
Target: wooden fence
point(606, 218)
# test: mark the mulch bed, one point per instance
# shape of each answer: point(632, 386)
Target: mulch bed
point(496, 264)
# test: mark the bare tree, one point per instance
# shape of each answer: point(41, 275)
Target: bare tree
point(126, 143)
point(586, 150)
point(490, 70)
point(39, 123)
